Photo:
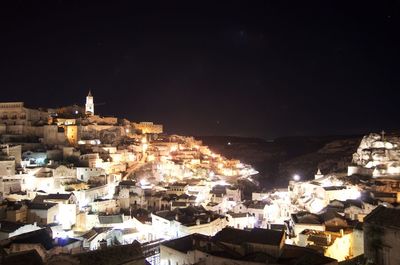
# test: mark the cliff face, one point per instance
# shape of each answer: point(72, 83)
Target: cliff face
point(334, 156)
point(380, 153)
point(277, 161)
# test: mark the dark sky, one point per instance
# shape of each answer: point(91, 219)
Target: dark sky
point(263, 69)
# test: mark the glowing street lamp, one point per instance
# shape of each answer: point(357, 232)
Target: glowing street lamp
point(296, 177)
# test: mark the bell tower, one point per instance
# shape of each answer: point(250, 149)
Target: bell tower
point(89, 107)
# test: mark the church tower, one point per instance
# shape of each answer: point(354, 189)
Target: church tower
point(89, 107)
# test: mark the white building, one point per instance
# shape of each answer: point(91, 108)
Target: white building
point(241, 220)
point(89, 106)
point(85, 173)
point(9, 229)
point(186, 221)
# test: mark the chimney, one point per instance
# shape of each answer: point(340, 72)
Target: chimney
point(176, 217)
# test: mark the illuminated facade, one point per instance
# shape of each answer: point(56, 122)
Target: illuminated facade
point(148, 127)
point(71, 131)
point(14, 113)
point(89, 106)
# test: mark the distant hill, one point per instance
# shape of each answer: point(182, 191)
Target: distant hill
point(278, 160)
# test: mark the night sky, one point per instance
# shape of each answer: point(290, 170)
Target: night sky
point(265, 69)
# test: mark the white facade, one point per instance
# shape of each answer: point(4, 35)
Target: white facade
point(89, 106)
point(173, 229)
point(241, 221)
point(85, 173)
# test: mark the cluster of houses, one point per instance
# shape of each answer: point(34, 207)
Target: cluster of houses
point(104, 187)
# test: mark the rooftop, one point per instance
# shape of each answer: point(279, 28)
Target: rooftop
point(303, 256)
point(183, 244)
point(189, 216)
point(383, 216)
point(94, 232)
point(256, 235)
point(9, 227)
point(41, 236)
point(41, 206)
point(59, 196)
point(116, 255)
point(290, 254)
point(111, 219)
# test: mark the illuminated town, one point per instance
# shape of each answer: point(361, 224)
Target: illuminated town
point(199, 132)
point(75, 184)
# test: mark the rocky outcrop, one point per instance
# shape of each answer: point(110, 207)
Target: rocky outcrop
point(277, 161)
point(380, 153)
point(333, 157)
point(107, 134)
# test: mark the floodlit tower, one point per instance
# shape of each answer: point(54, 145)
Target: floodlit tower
point(89, 107)
point(318, 175)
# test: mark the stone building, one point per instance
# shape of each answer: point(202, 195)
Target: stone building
point(186, 221)
point(9, 229)
point(43, 213)
point(148, 128)
point(233, 246)
point(382, 236)
point(14, 113)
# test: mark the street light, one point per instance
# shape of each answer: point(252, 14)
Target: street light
point(296, 177)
